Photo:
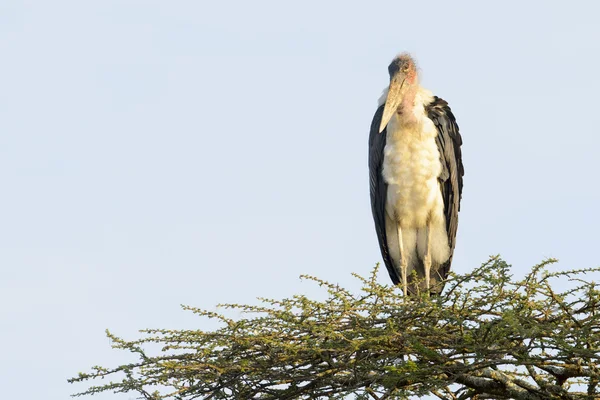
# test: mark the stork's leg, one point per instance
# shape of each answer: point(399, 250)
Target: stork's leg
point(403, 263)
point(427, 258)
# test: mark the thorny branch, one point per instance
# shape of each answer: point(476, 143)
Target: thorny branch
point(487, 336)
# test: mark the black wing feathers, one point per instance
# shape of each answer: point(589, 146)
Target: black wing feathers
point(379, 190)
point(451, 178)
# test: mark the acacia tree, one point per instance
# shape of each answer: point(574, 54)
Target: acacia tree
point(488, 336)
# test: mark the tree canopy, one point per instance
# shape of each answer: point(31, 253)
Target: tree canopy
point(487, 336)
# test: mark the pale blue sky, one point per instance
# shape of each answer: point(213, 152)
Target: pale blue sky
point(155, 153)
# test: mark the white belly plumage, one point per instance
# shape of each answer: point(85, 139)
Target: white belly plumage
point(411, 167)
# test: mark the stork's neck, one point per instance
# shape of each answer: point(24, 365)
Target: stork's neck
point(411, 108)
point(405, 110)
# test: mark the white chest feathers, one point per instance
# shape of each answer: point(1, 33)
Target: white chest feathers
point(411, 167)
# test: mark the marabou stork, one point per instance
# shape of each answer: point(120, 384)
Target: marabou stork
point(416, 179)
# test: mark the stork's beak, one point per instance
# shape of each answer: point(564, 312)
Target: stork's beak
point(394, 98)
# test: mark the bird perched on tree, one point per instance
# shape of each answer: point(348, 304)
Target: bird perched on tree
point(416, 179)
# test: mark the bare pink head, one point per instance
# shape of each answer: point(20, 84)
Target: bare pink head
point(403, 66)
point(403, 84)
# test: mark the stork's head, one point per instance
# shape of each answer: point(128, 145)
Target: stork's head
point(403, 82)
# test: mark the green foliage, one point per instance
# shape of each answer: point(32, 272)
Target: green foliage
point(486, 336)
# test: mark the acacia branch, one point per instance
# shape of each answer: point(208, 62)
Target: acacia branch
point(487, 336)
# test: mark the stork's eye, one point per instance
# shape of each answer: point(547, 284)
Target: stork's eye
point(405, 68)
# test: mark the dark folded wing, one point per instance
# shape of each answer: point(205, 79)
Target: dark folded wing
point(379, 190)
point(451, 178)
